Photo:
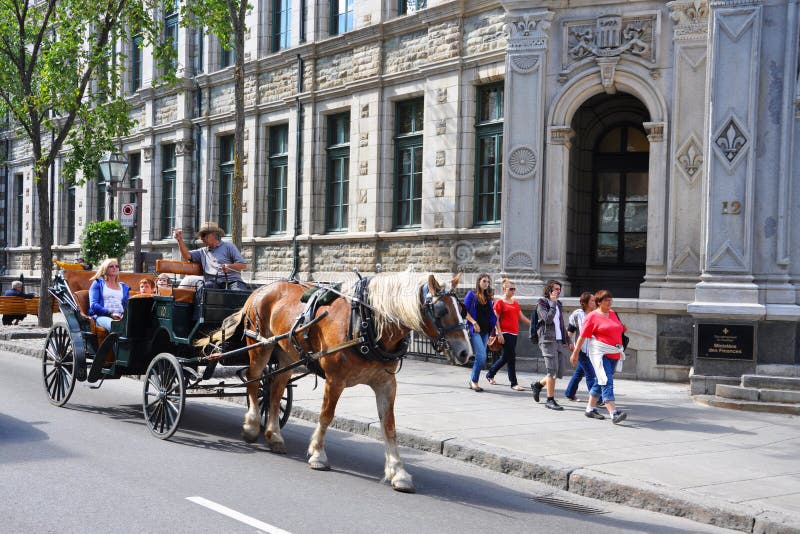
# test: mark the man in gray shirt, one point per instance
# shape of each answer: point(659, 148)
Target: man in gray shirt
point(222, 262)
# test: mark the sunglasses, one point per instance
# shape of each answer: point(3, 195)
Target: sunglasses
point(114, 266)
point(512, 288)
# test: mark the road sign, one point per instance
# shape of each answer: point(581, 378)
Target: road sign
point(128, 214)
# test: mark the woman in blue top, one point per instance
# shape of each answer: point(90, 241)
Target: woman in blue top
point(107, 294)
point(482, 320)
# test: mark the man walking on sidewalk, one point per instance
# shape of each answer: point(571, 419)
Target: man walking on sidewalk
point(553, 342)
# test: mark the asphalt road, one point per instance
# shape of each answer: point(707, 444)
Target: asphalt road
point(92, 466)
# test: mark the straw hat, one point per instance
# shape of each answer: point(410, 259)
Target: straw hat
point(210, 228)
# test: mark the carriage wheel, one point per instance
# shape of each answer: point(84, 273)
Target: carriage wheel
point(263, 405)
point(58, 365)
point(164, 395)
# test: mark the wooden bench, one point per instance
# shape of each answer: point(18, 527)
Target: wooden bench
point(22, 306)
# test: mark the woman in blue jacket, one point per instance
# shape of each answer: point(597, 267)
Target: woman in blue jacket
point(482, 320)
point(107, 294)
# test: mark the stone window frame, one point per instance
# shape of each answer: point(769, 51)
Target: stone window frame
point(277, 167)
point(134, 177)
point(491, 127)
point(70, 208)
point(227, 148)
point(171, 30)
point(280, 35)
point(19, 208)
point(337, 154)
point(137, 62)
point(100, 193)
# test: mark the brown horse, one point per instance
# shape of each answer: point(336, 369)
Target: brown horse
point(399, 303)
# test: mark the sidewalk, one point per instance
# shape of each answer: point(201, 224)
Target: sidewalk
point(734, 469)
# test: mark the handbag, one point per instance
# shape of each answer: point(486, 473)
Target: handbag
point(625, 339)
point(494, 344)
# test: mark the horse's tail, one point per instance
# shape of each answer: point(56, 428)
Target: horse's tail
point(229, 325)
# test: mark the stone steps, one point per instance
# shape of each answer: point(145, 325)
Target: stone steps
point(749, 406)
point(758, 393)
point(771, 382)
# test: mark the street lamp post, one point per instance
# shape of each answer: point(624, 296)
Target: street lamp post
point(114, 167)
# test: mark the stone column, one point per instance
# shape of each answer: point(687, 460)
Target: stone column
point(688, 165)
point(523, 146)
point(727, 287)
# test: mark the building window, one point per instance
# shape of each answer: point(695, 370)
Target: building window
point(489, 154)
point(277, 182)
point(226, 153)
point(136, 63)
point(19, 193)
point(281, 24)
point(134, 174)
point(341, 16)
point(410, 6)
point(338, 177)
point(620, 197)
point(225, 56)
point(168, 179)
point(70, 208)
point(408, 163)
point(171, 32)
point(101, 194)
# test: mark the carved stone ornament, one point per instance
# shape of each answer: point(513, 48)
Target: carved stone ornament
point(524, 64)
point(655, 131)
point(519, 260)
point(690, 17)
point(689, 159)
point(608, 67)
point(730, 142)
point(147, 153)
point(521, 162)
point(561, 135)
point(528, 31)
point(609, 36)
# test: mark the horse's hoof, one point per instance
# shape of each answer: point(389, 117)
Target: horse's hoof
point(404, 486)
point(277, 448)
point(249, 438)
point(316, 465)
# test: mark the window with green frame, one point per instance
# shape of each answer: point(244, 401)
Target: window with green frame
point(408, 143)
point(281, 24)
point(168, 190)
point(69, 233)
point(137, 55)
point(20, 207)
point(410, 6)
point(278, 178)
point(134, 173)
point(171, 30)
point(226, 150)
point(338, 175)
point(489, 154)
point(225, 56)
point(341, 16)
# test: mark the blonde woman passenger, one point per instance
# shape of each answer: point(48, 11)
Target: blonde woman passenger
point(107, 294)
point(509, 314)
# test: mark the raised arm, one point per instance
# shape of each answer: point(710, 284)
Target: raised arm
point(177, 233)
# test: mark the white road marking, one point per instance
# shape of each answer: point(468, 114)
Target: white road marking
point(246, 519)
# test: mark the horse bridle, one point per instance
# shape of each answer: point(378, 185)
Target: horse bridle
point(429, 309)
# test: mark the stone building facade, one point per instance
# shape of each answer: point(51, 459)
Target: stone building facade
point(647, 147)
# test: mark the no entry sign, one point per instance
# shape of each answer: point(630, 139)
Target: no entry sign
point(128, 214)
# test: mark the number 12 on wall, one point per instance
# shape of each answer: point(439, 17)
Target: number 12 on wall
point(733, 207)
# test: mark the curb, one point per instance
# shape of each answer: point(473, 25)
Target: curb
point(581, 481)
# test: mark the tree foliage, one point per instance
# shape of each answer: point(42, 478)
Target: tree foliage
point(103, 239)
point(60, 73)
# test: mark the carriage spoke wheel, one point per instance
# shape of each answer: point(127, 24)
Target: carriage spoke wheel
point(164, 395)
point(58, 365)
point(263, 401)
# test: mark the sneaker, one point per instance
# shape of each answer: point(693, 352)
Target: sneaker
point(594, 414)
point(553, 405)
point(537, 388)
point(573, 398)
point(619, 417)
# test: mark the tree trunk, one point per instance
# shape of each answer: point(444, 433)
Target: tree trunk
point(46, 233)
point(238, 158)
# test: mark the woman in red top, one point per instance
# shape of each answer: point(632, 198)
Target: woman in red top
point(604, 326)
point(509, 314)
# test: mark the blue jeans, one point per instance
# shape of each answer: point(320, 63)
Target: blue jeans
point(607, 391)
point(479, 348)
point(509, 356)
point(584, 368)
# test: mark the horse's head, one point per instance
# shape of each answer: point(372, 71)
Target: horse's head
point(443, 321)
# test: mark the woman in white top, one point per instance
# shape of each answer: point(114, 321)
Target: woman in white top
point(107, 294)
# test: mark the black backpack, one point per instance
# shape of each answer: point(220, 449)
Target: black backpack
point(533, 335)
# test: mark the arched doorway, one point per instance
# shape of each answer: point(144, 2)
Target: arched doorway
point(608, 194)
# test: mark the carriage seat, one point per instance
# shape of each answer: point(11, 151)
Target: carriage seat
point(185, 268)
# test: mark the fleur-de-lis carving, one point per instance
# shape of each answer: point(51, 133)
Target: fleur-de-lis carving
point(691, 160)
point(731, 141)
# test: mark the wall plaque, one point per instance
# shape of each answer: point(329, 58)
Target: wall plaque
point(726, 341)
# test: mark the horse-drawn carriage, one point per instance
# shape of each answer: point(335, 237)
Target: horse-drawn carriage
point(155, 338)
point(355, 336)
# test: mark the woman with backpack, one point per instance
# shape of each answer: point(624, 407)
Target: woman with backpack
point(509, 314)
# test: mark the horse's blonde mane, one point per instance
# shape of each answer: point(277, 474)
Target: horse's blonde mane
point(395, 297)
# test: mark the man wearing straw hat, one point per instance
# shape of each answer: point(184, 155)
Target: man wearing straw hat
point(222, 262)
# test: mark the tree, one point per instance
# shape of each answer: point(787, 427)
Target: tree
point(103, 239)
point(226, 20)
point(59, 85)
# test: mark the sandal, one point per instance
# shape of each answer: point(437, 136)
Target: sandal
point(517, 387)
point(476, 388)
point(491, 381)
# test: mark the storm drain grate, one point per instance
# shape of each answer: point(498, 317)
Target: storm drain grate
point(568, 505)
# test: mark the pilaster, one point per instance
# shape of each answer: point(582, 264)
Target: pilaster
point(523, 146)
point(732, 90)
